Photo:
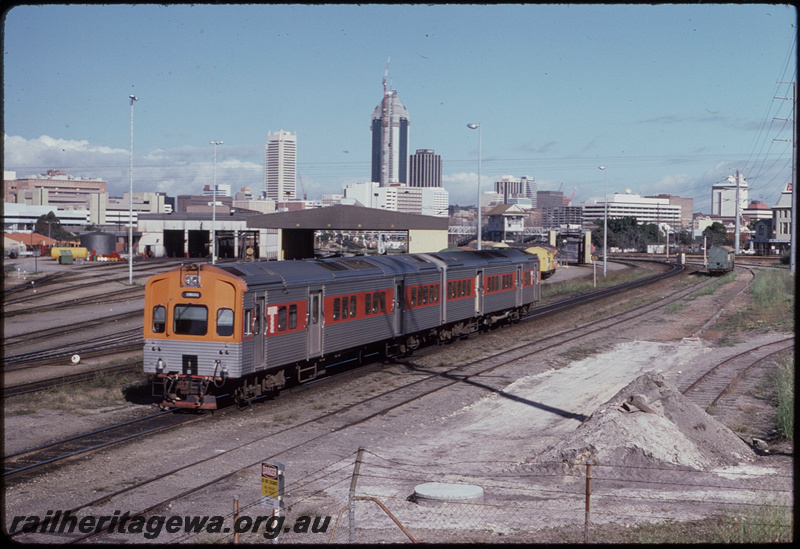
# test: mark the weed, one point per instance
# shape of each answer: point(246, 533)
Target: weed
point(674, 308)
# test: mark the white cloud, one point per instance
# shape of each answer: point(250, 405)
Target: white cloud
point(183, 170)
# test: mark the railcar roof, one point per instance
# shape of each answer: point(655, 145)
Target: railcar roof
point(320, 271)
point(482, 257)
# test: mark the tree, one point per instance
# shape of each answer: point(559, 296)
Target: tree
point(50, 225)
point(717, 235)
point(685, 237)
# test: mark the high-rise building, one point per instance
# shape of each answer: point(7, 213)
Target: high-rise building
point(723, 196)
point(389, 141)
point(511, 187)
point(280, 166)
point(425, 169)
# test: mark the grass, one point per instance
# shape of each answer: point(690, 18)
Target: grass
point(760, 523)
point(674, 308)
point(714, 286)
point(784, 385)
point(99, 392)
point(771, 304)
point(579, 286)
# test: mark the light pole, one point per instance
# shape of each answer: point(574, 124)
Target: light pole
point(130, 203)
point(478, 127)
point(214, 207)
point(605, 219)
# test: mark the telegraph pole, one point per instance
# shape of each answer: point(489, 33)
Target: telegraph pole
point(793, 119)
point(793, 183)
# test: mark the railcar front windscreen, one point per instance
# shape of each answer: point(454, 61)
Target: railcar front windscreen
point(191, 319)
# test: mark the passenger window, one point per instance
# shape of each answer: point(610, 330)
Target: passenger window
point(383, 302)
point(375, 302)
point(413, 296)
point(424, 295)
point(353, 305)
point(336, 306)
point(225, 322)
point(190, 319)
point(282, 318)
point(345, 301)
point(368, 303)
point(292, 317)
point(248, 322)
point(159, 319)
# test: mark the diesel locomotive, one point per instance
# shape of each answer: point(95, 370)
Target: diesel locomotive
point(249, 329)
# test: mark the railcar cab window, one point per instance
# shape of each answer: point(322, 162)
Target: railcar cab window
point(159, 319)
point(190, 320)
point(224, 322)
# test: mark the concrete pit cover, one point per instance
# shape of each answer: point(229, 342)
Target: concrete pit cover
point(435, 493)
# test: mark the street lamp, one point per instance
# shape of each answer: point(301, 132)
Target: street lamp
point(130, 203)
point(478, 127)
point(605, 219)
point(214, 207)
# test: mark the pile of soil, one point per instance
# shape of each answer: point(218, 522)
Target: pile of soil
point(650, 423)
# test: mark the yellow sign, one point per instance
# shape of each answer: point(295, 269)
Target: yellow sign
point(269, 480)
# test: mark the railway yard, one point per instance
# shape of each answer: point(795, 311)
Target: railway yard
point(656, 400)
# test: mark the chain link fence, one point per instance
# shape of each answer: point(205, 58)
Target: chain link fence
point(368, 498)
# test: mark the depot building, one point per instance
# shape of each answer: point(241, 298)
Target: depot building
point(244, 234)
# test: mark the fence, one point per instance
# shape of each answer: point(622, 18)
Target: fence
point(368, 498)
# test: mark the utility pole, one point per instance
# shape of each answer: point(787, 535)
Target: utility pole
point(793, 119)
point(736, 230)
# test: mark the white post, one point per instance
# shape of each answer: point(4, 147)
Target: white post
point(130, 203)
point(214, 207)
point(736, 225)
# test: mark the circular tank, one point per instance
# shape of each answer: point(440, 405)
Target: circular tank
point(101, 243)
point(434, 493)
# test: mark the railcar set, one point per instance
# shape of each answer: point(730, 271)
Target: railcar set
point(250, 329)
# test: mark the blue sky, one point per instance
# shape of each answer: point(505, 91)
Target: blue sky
point(670, 98)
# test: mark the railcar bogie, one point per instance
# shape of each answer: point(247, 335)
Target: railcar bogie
point(253, 328)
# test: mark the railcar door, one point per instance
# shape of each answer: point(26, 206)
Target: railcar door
point(259, 333)
point(399, 306)
point(314, 323)
point(478, 293)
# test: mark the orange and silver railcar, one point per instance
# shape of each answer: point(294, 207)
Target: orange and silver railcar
point(249, 329)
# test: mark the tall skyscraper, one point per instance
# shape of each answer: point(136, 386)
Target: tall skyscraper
point(425, 169)
point(389, 140)
point(280, 165)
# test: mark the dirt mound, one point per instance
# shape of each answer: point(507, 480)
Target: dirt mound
point(650, 423)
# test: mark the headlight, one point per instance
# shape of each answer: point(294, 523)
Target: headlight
point(191, 280)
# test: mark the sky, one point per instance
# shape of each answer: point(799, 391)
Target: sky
point(669, 98)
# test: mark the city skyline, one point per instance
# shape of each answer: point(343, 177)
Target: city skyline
point(672, 99)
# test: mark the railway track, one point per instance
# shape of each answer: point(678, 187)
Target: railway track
point(29, 337)
point(69, 379)
point(428, 382)
point(125, 341)
point(20, 466)
point(722, 380)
